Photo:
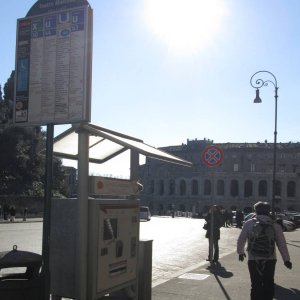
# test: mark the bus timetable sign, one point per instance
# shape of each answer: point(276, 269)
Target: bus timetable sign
point(54, 63)
point(212, 156)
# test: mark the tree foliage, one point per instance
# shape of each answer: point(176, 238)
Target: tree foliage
point(6, 101)
point(22, 159)
point(21, 167)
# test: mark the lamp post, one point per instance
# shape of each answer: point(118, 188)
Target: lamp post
point(256, 82)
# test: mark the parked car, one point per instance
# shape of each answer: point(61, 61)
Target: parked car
point(293, 217)
point(288, 225)
point(145, 213)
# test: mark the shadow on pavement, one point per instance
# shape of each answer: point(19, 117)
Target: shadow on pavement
point(219, 271)
point(293, 244)
point(282, 293)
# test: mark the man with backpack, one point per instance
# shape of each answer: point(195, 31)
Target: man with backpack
point(262, 234)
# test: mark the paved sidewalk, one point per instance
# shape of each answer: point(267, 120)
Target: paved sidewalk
point(230, 279)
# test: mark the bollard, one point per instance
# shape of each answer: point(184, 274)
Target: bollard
point(145, 270)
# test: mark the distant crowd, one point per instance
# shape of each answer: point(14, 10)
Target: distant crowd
point(231, 219)
point(8, 213)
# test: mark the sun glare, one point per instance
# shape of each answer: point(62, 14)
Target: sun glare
point(185, 26)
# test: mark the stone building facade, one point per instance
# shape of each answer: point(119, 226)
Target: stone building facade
point(244, 177)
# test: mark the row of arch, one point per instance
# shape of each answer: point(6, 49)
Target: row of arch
point(181, 188)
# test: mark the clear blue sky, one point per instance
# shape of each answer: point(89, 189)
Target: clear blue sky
point(165, 72)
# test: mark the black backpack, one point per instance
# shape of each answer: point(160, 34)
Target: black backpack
point(262, 240)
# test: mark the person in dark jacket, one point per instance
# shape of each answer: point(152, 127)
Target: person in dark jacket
point(239, 219)
point(214, 221)
point(5, 212)
point(12, 212)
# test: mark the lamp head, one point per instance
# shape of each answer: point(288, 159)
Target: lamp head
point(257, 98)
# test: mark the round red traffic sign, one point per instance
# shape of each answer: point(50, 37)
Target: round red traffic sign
point(212, 156)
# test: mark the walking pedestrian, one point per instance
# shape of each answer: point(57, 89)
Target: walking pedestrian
point(239, 219)
point(12, 212)
point(214, 221)
point(5, 211)
point(262, 234)
point(25, 211)
point(227, 218)
point(230, 216)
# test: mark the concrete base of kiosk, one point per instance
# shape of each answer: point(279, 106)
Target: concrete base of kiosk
point(145, 270)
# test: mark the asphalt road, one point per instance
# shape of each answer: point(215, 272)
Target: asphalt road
point(178, 243)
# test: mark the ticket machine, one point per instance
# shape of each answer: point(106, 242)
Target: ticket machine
point(113, 245)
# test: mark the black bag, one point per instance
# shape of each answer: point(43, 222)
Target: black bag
point(205, 226)
point(262, 240)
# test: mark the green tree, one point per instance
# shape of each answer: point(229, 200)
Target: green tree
point(6, 102)
point(21, 168)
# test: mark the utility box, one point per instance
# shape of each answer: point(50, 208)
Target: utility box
point(113, 245)
point(113, 237)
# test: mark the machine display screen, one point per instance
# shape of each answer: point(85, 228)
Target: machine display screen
point(110, 229)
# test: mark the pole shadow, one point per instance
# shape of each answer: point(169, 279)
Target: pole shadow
point(282, 293)
point(219, 271)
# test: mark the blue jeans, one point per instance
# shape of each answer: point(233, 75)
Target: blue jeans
point(262, 279)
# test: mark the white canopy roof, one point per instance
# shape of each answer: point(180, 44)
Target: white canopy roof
point(105, 144)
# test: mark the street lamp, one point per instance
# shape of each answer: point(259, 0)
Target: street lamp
point(257, 84)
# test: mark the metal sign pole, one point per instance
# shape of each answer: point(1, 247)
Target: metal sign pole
point(47, 212)
point(211, 236)
point(212, 156)
point(82, 211)
point(134, 171)
point(212, 233)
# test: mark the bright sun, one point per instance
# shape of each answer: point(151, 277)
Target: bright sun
point(185, 26)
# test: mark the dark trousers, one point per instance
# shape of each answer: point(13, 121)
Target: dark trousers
point(262, 279)
point(213, 249)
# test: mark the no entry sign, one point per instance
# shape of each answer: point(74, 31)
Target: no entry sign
point(212, 156)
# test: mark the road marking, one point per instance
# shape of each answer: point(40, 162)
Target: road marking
point(194, 276)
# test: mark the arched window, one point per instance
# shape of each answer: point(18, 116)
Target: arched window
point(248, 188)
point(182, 187)
point(291, 189)
point(161, 187)
point(262, 188)
point(220, 187)
point(234, 188)
point(195, 187)
point(207, 187)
